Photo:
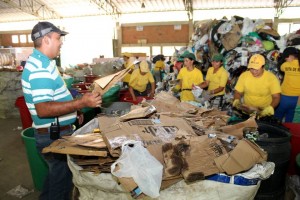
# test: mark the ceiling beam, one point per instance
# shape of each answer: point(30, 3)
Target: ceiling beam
point(279, 5)
point(188, 5)
point(34, 8)
point(102, 4)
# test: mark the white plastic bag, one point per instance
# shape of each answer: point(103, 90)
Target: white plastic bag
point(136, 162)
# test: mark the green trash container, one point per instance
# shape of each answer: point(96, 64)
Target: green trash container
point(38, 167)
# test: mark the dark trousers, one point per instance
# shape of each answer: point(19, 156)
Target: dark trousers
point(58, 183)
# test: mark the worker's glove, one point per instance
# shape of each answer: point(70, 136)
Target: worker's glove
point(267, 111)
point(236, 103)
point(175, 89)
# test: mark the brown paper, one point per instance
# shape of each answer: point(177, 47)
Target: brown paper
point(237, 129)
point(87, 140)
point(243, 157)
point(65, 147)
point(231, 39)
point(149, 131)
point(103, 84)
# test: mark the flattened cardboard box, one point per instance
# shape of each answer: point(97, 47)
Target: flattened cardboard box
point(103, 84)
point(63, 146)
point(116, 132)
point(146, 130)
point(237, 129)
point(243, 157)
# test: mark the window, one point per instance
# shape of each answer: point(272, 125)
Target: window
point(156, 50)
point(15, 39)
point(29, 38)
point(23, 38)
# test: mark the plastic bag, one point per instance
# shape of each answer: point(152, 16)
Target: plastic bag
point(136, 162)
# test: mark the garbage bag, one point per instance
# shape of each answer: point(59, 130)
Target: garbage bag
point(136, 162)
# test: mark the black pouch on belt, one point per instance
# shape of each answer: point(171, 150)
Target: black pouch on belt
point(54, 131)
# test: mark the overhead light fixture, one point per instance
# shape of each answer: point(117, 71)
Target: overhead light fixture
point(143, 5)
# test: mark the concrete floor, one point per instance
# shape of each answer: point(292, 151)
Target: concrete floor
point(14, 167)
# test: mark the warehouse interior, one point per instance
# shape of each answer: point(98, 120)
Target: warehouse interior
point(99, 32)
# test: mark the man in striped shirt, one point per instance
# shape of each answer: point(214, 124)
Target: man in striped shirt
point(49, 101)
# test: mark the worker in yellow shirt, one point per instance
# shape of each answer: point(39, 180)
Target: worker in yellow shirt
point(159, 66)
point(188, 76)
point(290, 85)
point(128, 63)
point(216, 80)
point(139, 80)
point(260, 89)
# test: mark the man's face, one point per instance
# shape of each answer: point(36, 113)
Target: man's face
point(54, 42)
point(256, 72)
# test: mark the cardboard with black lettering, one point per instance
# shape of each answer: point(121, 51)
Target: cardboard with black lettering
point(243, 157)
point(152, 131)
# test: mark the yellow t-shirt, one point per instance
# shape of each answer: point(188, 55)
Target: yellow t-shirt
point(291, 82)
point(258, 91)
point(139, 82)
point(159, 65)
point(216, 80)
point(188, 79)
point(130, 65)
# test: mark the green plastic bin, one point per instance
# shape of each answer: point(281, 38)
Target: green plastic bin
point(38, 167)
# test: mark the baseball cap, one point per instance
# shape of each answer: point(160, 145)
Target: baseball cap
point(144, 66)
point(126, 54)
point(290, 51)
point(190, 56)
point(43, 28)
point(256, 61)
point(217, 57)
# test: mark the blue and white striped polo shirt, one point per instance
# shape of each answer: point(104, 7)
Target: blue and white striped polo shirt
point(42, 82)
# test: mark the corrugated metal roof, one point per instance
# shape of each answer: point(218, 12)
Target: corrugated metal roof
point(15, 10)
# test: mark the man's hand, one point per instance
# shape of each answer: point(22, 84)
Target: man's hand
point(151, 95)
point(92, 100)
point(267, 111)
point(175, 89)
point(236, 103)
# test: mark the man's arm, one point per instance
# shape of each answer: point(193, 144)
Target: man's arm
point(152, 90)
point(54, 109)
point(132, 93)
point(275, 100)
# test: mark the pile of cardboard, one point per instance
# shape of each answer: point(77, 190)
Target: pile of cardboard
point(190, 142)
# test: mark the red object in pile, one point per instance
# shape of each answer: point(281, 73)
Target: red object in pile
point(91, 78)
point(138, 99)
point(295, 147)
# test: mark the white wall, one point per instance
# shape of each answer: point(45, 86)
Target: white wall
point(88, 37)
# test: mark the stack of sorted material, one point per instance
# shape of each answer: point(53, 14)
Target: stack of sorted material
point(173, 135)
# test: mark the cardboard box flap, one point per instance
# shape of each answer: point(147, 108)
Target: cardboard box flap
point(237, 129)
point(243, 157)
point(65, 147)
point(103, 84)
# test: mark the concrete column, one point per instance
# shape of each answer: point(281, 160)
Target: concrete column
point(191, 30)
point(119, 39)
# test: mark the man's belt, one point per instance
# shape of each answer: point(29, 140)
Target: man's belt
point(186, 89)
point(61, 128)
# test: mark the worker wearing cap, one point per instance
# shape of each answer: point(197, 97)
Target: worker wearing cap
point(159, 66)
point(128, 63)
point(139, 80)
point(290, 86)
point(260, 89)
point(216, 79)
point(188, 76)
point(49, 101)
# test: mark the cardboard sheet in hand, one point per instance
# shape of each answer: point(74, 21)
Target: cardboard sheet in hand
point(103, 84)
